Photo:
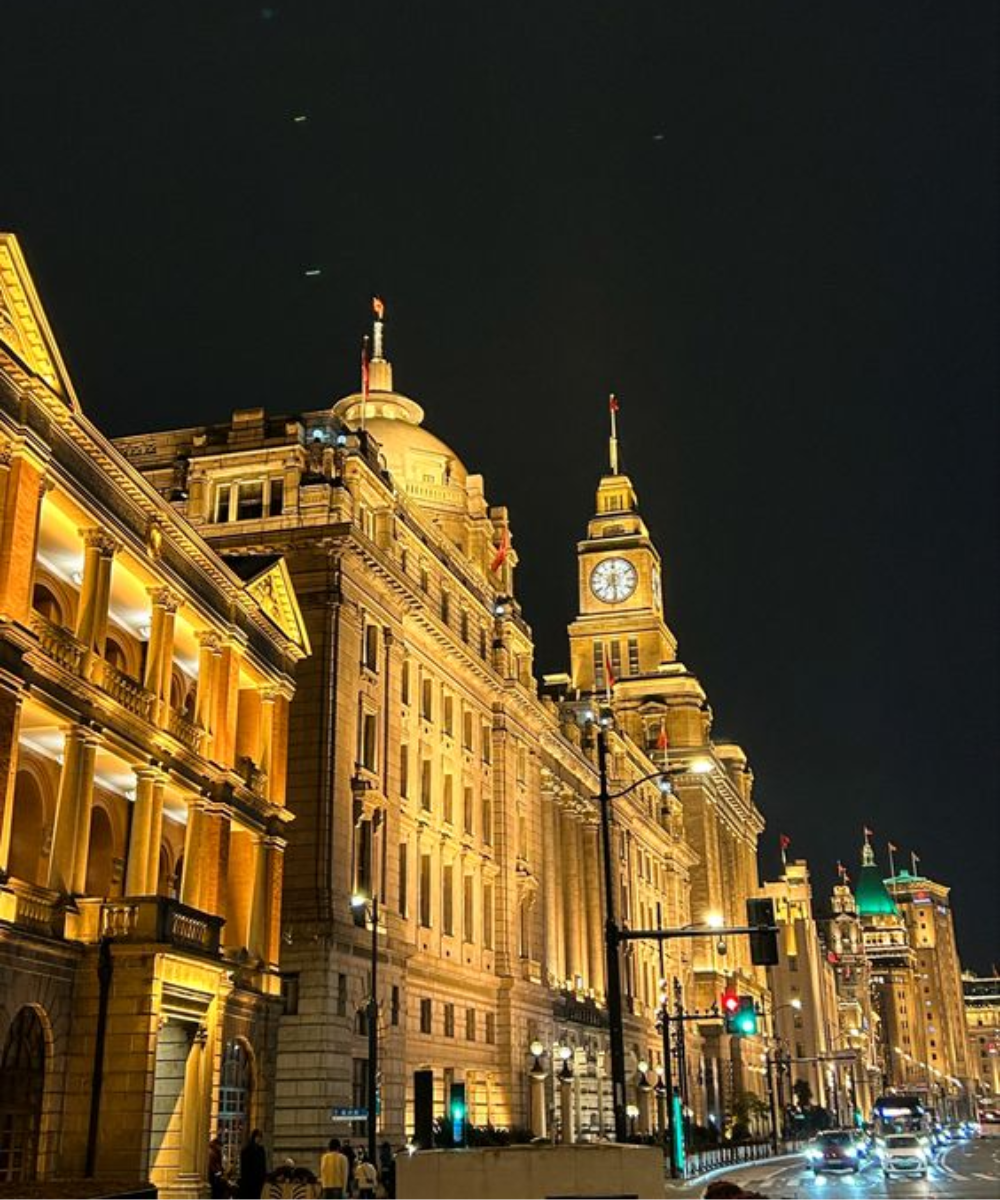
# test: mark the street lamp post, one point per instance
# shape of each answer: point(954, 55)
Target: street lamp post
point(773, 1063)
point(370, 908)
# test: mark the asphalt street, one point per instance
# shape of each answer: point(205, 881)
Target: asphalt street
point(966, 1171)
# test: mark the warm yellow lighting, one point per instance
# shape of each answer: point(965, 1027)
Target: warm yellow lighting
point(358, 901)
point(701, 766)
point(796, 1003)
point(565, 1053)
point(537, 1049)
point(714, 921)
point(643, 1067)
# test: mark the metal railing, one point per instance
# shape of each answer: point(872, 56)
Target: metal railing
point(734, 1154)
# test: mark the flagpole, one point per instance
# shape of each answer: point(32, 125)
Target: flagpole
point(892, 861)
point(613, 445)
point(913, 862)
point(364, 378)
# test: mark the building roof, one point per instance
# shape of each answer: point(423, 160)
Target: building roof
point(871, 895)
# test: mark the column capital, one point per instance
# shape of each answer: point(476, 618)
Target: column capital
point(208, 639)
point(97, 538)
point(165, 598)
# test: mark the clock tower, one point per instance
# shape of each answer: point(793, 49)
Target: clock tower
point(620, 621)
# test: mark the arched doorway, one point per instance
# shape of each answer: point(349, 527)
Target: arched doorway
point(22, 1083)
point(43, 601)
point(27, 828)
point(235, 1100)
point(100, 854)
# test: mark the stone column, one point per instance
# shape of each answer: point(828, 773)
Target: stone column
point(538, 1122)
point(71, 832)
point(209, 653)
point(268, 698)
point(571, 888)
point(550, 889)
point(22, 489)
point(194, 854)
point(160, 654)
point(566, 1108)
point(560, 902)
point(262, 912)
point(10, 724)
point(95, 590)
point(143, 868)
point(592, 888)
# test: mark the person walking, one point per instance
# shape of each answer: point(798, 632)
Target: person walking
point(387, 1170)
point(349, 1152)
point(217, 1185)
point(366, 1177)
point(334, 1171)
point(253, 1167)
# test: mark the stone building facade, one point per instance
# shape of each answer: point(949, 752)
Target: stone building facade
point(144, 699)
point(427, 770)
point(982, 1016)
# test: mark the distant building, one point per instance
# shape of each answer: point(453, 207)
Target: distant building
point(982, 1016)
point(144, 692)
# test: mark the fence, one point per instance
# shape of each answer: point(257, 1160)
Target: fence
point(701, 1161)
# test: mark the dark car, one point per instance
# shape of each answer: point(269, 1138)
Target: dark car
point(836, 1150)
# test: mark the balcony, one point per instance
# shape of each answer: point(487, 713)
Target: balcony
point(58, 643)
point(185, 730)
point(129, 694)
point(29, 907)
point(156, 919)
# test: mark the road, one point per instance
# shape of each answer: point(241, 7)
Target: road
point(967, 1171)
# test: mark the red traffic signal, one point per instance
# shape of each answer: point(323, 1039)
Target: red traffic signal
point(730, 1003)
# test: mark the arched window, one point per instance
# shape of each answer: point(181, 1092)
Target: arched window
point(22, 1082)
point(235, 1097)
point(26, 829)
point(42, 601)
point(100, 854)
point(163, 878)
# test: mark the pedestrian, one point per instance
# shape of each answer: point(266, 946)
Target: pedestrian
point(217, 1185)
point(334, 1171)
point(253, 1167)
point(349, 1152)
point(387, 1170)
point(366, 1177)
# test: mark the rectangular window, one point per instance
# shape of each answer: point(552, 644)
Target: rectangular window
point(425, 890)
point(522, 834)
point(468, 908)
point(487, 751)
point(276, 499)
point(448, 801)
point(359, 1083)
point(616, 659)
point(448, 901)
point(633, 656)
point(371, 647)
point(488, 915)
point(341, 995)
point(404, 770)
point(491, 1029)
point(394, 1006)
point(369, 741)
point(449, 716)
point(427, 700)
point(487, 819)
point(425, 579)
point(470, 1024)
point(467, 723)
point(445, 607)
point(426, 1017)
point(522, 764)
point(222, 493)
point(599, 681)
point(290, 993)
point(464, 625)
point(404, 872)
point(363, 858)
point(425, 785)
point(449, 1020)
point(483, 644)
point(250, 500)
point(468, 810)
point(404, 682)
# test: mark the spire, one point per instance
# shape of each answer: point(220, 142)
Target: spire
point(380, 369)
point(613, 440)
point(871, 894)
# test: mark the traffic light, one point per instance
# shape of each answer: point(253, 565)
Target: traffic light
point(745, 1020)
point(764, 939)
point(456, 1110)
point(730, 1007)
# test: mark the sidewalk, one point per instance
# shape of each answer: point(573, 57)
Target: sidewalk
point(695, 1185)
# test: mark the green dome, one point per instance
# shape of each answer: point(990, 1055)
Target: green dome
point(871, 896)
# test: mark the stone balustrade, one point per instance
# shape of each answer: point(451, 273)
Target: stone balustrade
point(157, 919)
point(58, 643)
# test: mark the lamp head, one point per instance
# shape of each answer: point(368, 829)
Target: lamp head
point(701, 766)
point(537, 1049)
point(358, 900)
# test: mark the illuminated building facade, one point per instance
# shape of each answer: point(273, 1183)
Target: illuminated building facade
point(924, 906)
point(982, 1015)
point(144, 698)
point(426, 769)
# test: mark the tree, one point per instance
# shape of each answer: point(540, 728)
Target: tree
point(803, 1093)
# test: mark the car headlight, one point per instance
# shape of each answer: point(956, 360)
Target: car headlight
point(850, 1152)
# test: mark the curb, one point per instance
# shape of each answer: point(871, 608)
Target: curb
point(716, 1172)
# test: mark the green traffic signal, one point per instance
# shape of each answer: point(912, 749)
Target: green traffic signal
point(745, 1020)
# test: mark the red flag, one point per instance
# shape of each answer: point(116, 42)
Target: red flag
point(502, 550)
point(613, 402)
point(378, 308)
point(364, 368)
point(869, 832)
point(784, 841)
point(661, 740)
point(892, 847)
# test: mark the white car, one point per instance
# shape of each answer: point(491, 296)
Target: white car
point(905, 1154)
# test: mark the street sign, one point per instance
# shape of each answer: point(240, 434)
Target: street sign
point(345, 1113)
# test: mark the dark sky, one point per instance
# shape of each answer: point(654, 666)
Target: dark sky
point(769, 228)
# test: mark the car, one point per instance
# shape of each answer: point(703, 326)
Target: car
point(835, 1150)
point(904, 1154)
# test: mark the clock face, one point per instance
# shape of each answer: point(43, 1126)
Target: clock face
point(613, 580)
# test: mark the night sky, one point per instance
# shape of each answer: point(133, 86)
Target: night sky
point(770, 228)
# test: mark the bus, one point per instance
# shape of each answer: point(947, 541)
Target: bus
point(901, 1114)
